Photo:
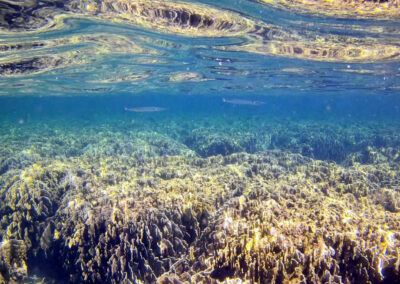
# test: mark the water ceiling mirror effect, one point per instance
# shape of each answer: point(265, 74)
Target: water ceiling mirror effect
point(78, 47)
point(253, 141)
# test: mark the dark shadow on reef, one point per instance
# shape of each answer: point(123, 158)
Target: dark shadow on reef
point(330, 142)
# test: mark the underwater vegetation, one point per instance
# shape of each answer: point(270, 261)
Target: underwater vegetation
point(108, 203)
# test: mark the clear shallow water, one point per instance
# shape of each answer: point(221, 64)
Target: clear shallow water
point(302, 187)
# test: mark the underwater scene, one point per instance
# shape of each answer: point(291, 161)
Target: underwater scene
point(199, 141)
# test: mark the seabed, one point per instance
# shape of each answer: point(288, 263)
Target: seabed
point(118, 203)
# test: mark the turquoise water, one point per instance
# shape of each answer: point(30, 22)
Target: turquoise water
point(260, 148)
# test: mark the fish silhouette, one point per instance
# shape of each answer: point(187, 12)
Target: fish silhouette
point(242, 102)
point(145, 109)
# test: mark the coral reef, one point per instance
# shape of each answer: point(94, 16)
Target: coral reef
point(28, 199)
point(267, 217)
point(208, 142)
point(285, 232)
point(12, 261)
point(349, 144)
point(115, 202)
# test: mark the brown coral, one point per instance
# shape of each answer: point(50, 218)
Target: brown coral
point(13, 261)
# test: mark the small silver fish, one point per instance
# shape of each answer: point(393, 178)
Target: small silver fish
point(145, 109)
point(242, 102)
